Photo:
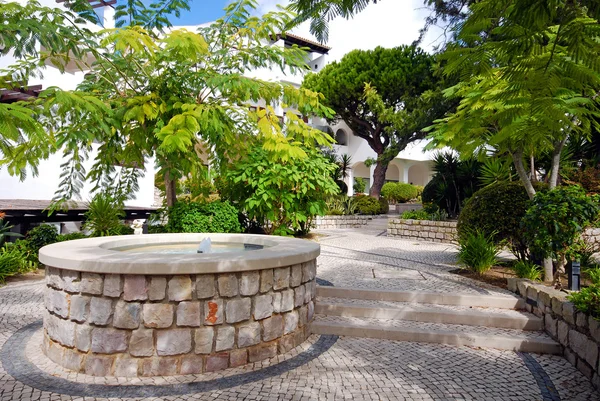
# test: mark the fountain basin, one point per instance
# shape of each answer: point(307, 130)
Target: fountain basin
point(122, 306)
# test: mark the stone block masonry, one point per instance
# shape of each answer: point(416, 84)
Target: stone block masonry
point(577, 332)
point(147, 325)
point(423, 230)
point(330, 222)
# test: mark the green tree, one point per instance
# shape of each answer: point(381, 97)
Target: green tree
point(385, 96)
point(283, 197)
point(162, 95)
point(529, 80)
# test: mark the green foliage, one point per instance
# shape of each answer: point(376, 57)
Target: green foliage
point(593, 274)
point(556, 218)
point(420, 189)
point(399, 192)
point(359, 185)
point(341, 205)
point(153, 92)
point(497, 211)
point(15, 259)
point(495, 170)
point(157, 229)
point(386, 96)
point(122, 229)
point(477, 252)
point(454, 181)
point(104, 215)
point(415, 215)
point(70, 236)
point(368, 205)
point(529, 270)
point(5, 231)
point(422, 214)
point(529, 76)
point(194, 217)
point(587, 300)
point(40, 236)
point(282, 197)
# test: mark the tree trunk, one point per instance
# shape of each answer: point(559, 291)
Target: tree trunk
point(170, 192)
point(558, 147)
point(378, 179)
point(532, 174)
point(518, 162)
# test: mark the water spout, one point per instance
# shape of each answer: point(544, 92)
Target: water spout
point(205, 246)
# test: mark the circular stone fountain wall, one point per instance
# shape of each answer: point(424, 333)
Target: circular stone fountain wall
point(114, 313)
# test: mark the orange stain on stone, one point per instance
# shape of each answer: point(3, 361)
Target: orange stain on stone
point(212, 312)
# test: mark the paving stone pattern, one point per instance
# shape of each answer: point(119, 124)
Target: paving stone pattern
point(322, 368)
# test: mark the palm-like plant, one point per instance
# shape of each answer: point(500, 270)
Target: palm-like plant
point(5, 229)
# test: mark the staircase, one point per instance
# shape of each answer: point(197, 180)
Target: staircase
point(444, 318)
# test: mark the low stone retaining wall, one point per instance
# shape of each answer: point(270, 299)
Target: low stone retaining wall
point(400, 208)
point(353, 221)
point(577, 332)
point(425, 230)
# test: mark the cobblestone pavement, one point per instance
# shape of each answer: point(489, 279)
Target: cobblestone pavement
point(355, 257)
point(323, 368)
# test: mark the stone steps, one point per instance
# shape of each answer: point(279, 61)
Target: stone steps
point(484, 301)
point(449, 334)
point(462, 315)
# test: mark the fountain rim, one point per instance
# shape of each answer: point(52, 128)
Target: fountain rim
point(97, 255)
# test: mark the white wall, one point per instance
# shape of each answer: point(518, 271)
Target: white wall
point(43, 186)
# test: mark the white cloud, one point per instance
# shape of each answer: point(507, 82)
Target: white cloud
point(389, 23)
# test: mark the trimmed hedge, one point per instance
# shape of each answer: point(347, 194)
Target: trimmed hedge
point(496, 211)
point(194, 217)
point(366, 204)
point(399, 191)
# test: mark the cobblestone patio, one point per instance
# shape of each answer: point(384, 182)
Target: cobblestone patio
point(323, 368)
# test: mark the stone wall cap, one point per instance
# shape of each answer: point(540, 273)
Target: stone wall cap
point(97, 255)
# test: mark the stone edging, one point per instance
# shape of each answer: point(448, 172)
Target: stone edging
point(425, 230)
point(577, 332)
point(352, 221)
point(99, 255)
point(16, 364)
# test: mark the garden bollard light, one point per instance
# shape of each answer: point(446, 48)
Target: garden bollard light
point(574, 273)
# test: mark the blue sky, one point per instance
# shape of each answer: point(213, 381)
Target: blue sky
point(201, 11)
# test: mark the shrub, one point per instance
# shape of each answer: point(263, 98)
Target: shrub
point(340, 205)
point(497, 211)
point(359, 185)
point(194, 217)
point(415, 215)
point(587, 300)
point(157, 229)
point(529, 270)
point(104, 215)
point(555, 220)
point(477, 252)
point(454, 181)
point(398, 192)
point(366, 204)
point(121, 229)
point(419, 189)
point(70, 236)
point(15, 258)
point(40, 236)
point(593, 274)
point(384, 206)
point(283, 196)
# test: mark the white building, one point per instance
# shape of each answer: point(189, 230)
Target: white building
point(410, 166)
